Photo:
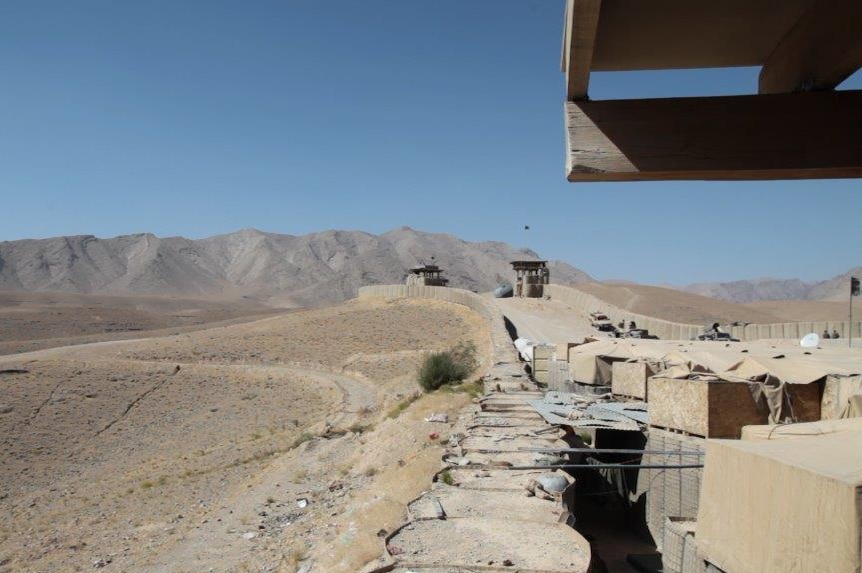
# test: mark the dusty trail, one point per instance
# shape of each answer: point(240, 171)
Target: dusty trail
point(545, 320)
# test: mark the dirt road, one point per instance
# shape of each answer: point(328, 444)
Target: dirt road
point(545, 320)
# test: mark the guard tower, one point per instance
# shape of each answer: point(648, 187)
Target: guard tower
point(530, 278)
point(426, 275)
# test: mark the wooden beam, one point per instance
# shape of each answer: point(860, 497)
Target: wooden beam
point(688, 34)
point(822, 49)
point(582, 22)
point(787, 136)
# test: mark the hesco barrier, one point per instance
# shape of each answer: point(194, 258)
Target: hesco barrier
point(588, 303)
point(503, 350)
point(796, 329)
point(667, 330)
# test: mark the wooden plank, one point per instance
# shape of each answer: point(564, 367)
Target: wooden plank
point(712, 409)
point(679, 34)
point(822, 50)
point(581, 26)
point(630, 379)
point(783, 136)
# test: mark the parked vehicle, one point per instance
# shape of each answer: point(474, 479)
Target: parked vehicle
point(601, 322)
point(717, 336)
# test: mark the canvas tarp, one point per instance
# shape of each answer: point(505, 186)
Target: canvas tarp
point(680, 363)
point(591, 363)
point(790, 431)
point(788, 505)
point(769, 375)
point(842, 397)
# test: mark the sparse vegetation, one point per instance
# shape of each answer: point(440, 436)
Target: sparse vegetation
point(358, 428)
point(370, 471)
point(447, 367)
point(473, 389)
point(302, 438)
point(396, 410)
point(446, 477)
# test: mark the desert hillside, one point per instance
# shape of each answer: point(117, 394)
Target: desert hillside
point(241, 448)
point(805, 310)
point(676, 306)
point(283, 270)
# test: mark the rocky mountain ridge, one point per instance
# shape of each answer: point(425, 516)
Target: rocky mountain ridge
point(305, 270)
point(764, 289)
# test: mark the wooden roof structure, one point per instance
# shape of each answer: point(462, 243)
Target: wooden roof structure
point(795, 127)
point(531, 265)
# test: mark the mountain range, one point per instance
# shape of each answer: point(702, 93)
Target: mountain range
point(835, 289)
point(309, 270)
point(285, 270)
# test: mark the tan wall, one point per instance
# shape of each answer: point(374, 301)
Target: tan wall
point(796, 329)
point(588, 303)
point(502, 347)
point(667, 330)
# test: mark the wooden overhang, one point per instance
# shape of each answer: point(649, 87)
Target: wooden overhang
point(795, 127)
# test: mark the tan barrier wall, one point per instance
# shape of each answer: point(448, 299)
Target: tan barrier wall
point(588, 303)
point(667, 330)
point(796, 329)
point(503, 349)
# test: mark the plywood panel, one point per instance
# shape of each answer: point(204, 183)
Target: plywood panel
point(630, 379)
point(712, 409)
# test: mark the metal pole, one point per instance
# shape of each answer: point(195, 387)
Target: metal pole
point(609, 451)
point(599, 466)
point(587, 451)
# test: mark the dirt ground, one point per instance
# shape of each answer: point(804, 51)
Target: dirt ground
point(542, 320)
point(282, 444)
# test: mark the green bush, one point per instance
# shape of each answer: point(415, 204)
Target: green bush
point(448, 367)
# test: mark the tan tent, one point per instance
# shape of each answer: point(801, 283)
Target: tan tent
point(682, 362)
point(591, 363)
point(788, 503)
point(842, 397)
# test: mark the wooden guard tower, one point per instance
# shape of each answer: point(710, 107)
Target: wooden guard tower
point(530, 278)
point(426, 275)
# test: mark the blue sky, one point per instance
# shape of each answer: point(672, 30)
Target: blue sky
point(197, 118)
